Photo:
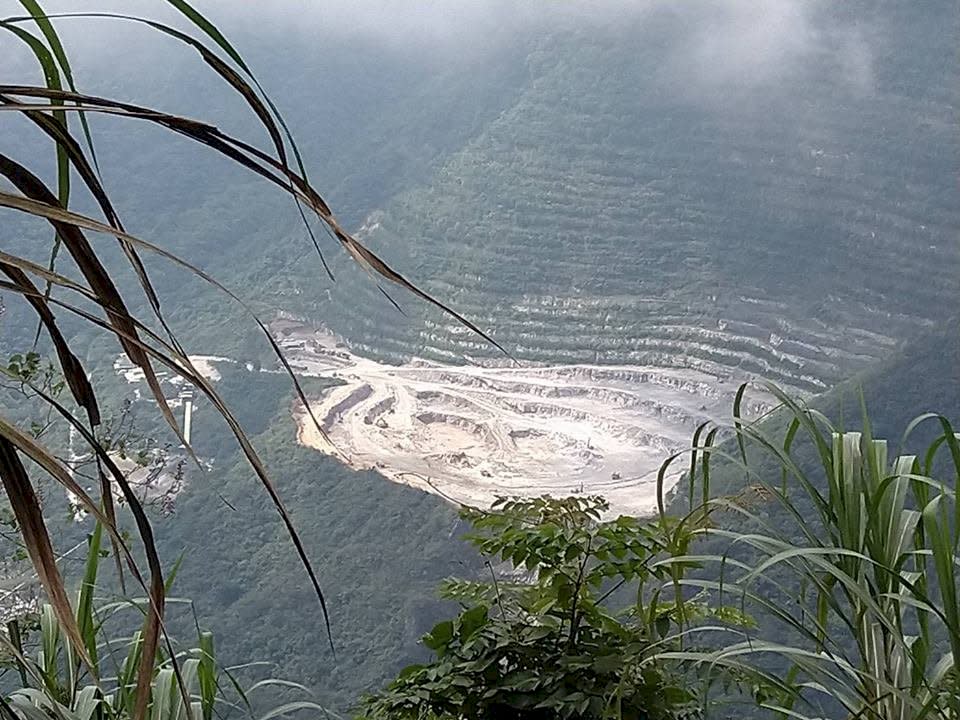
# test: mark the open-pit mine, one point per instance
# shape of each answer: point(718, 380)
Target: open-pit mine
point(472, 433)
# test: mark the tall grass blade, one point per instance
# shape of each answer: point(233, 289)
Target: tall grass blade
point(26, 508)
point(46, 27)
point(85, 619)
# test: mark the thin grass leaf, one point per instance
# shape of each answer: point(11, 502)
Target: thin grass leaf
point(695, 444)
point(70, 366)
point(85, 619)
point(51, 75)
point(292, 707)
point(73, 155)
point(46, 27)
point(95, 274)
point(26, 508)
point(206, 674)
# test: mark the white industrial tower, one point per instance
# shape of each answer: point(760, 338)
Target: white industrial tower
point(186, 395)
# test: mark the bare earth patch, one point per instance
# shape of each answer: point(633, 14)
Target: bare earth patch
point(473, 433)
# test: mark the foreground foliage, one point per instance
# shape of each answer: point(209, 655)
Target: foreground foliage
point(550, 635)
point(857, 579)
point(856, 594)
point(186, 683)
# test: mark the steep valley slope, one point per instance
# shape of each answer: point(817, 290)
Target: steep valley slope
point(628, 209)
point(797, 226)
point(607, 207)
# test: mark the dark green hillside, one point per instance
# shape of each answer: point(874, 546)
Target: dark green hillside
point(380, 551)
point(611, 214)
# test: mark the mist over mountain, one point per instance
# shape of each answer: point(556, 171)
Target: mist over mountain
point(608, 182)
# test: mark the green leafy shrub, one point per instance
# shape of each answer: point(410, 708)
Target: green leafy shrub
point(851, 562)
point(550, 636)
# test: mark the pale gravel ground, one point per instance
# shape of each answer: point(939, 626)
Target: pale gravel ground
point(471, 434)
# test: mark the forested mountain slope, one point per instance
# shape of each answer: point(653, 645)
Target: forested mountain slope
point(798, 226)
point(625, 194)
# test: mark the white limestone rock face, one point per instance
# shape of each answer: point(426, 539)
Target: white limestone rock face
point(471, 433)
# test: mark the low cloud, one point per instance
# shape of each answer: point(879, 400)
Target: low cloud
point(716, 42)
point(713, 44)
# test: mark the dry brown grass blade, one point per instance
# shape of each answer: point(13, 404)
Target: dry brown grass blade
point(197, 130)
point(235, 149)
point(96, 276)
point(14, 268)
point(70, 365)
point(154, 619)
point(27, 510)
point(59, 133)
point(184, 367)
point(111, 512)
point(73, 372)
point(367, 258)
point(153, 625)
point(227, 73)
point(155, 592)
point(46, 460)
point(44, 272)
point(236, 80)
point(248, 93)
